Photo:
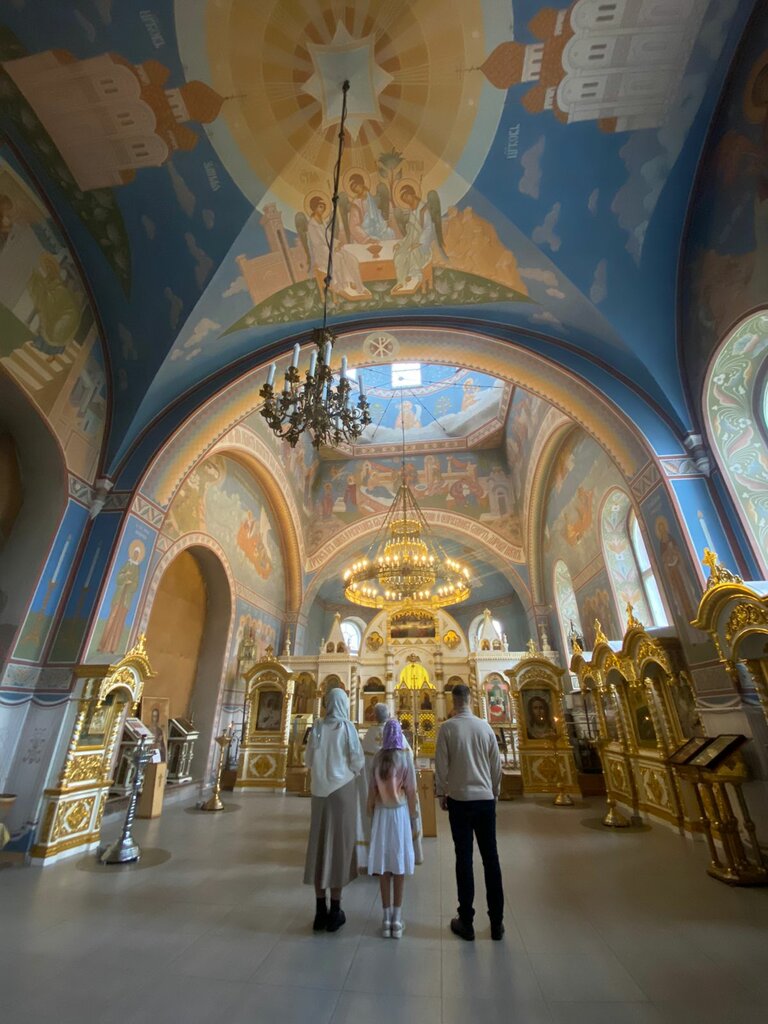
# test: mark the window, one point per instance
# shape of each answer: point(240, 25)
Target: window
point(627, 561)
point(352, 634)
point(565, 602)
point(650, 586)
point(406, 375)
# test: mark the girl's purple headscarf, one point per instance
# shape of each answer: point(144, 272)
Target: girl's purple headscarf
point(392, 738)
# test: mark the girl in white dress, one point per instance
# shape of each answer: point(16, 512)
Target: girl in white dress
point(392, 802)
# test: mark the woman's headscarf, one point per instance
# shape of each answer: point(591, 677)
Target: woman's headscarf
point(334, 754)
point(336, 705)
point(393, 738)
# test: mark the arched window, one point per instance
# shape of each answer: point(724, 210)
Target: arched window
point(350, 630)
point(736, 414)
point(565, 602)
point(647, 578)
point(629, 566)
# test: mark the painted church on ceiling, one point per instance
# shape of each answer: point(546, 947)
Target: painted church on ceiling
point(552, 272)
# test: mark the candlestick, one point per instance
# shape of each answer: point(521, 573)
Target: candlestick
point(312, 364)
point(361, 385)
point(327, 353)
point(296, 354)
point(271, 374)
point(343, 367)
point(92, 569)
point(61, 558)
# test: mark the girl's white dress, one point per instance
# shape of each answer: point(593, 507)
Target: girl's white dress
point(391, 846)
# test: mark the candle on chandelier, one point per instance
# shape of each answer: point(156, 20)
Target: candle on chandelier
point(361, 385)
point(327, 353)
point(296, 354)
point(312, 364)
point(343, 367)
point(271, 374)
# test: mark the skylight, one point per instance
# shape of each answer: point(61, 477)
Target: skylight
point(406, 375)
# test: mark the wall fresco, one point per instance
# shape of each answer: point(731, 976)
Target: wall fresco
point(726, 255)
point(222, 499)
point(476, 485)
point(120, 598)
point(48, 340)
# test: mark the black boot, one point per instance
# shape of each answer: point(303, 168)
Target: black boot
point(321, 914)
point(336, 917)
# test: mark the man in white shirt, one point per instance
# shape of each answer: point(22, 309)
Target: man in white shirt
point(468, 778)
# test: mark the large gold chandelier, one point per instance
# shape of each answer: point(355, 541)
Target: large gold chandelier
point(405, 563)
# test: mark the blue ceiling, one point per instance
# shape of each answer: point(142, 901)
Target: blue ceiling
point(550, 161)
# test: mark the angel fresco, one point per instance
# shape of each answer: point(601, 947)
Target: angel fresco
point(312, 228)
point(422, 226)
point(251, 539)
point(365, 216)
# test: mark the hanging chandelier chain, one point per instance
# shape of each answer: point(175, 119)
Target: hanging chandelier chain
point(330, 231)
point(317, 405)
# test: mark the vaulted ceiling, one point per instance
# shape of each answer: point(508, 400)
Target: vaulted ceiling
point(519, 168)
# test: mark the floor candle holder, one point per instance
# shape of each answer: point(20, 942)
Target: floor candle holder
point(213, 803)
point(563, 798)
point(125, 850)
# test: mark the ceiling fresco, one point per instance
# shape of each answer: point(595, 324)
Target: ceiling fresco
point(426, 406)
point(521, 164)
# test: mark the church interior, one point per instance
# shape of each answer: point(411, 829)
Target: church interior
point(389, 346)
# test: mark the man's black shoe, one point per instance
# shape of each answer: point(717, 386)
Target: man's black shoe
point(497, 931)
point(462, 929)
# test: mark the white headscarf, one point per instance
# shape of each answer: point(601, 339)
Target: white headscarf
point(334, 754)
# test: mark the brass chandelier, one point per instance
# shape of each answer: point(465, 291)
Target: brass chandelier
point(405, 563)
point(316, 405)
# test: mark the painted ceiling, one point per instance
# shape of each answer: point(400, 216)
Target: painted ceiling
point(426, 406)
point(519, 166)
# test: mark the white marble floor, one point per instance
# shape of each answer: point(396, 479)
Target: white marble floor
point(602, 928)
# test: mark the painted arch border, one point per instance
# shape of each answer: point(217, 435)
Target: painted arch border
point(747, 405)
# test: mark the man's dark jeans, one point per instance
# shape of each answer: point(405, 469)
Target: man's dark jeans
point(471, 818)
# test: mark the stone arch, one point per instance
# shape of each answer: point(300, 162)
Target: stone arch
point(217, 631)
point(246, 448)
point(342, 547)
point(535, 510)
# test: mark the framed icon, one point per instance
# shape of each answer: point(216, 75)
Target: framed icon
point(270, 711)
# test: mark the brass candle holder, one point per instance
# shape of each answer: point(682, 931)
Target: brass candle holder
point(213, 803)
point(563, 798)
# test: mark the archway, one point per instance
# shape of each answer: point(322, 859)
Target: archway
point(33, 486)
point(187, 641)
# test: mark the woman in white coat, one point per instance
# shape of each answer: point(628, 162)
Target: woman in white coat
point(335, 758)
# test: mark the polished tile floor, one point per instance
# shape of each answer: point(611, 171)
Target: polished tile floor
point(602, 928)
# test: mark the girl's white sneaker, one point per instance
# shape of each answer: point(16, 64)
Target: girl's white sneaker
point(386, 923)
point(397, 929)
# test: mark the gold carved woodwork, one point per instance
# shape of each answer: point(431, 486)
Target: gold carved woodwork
point(374, 641)
point(745, 615)
point(451, 639)
point(72, 817)
point(86, 768)
point(717, 572)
